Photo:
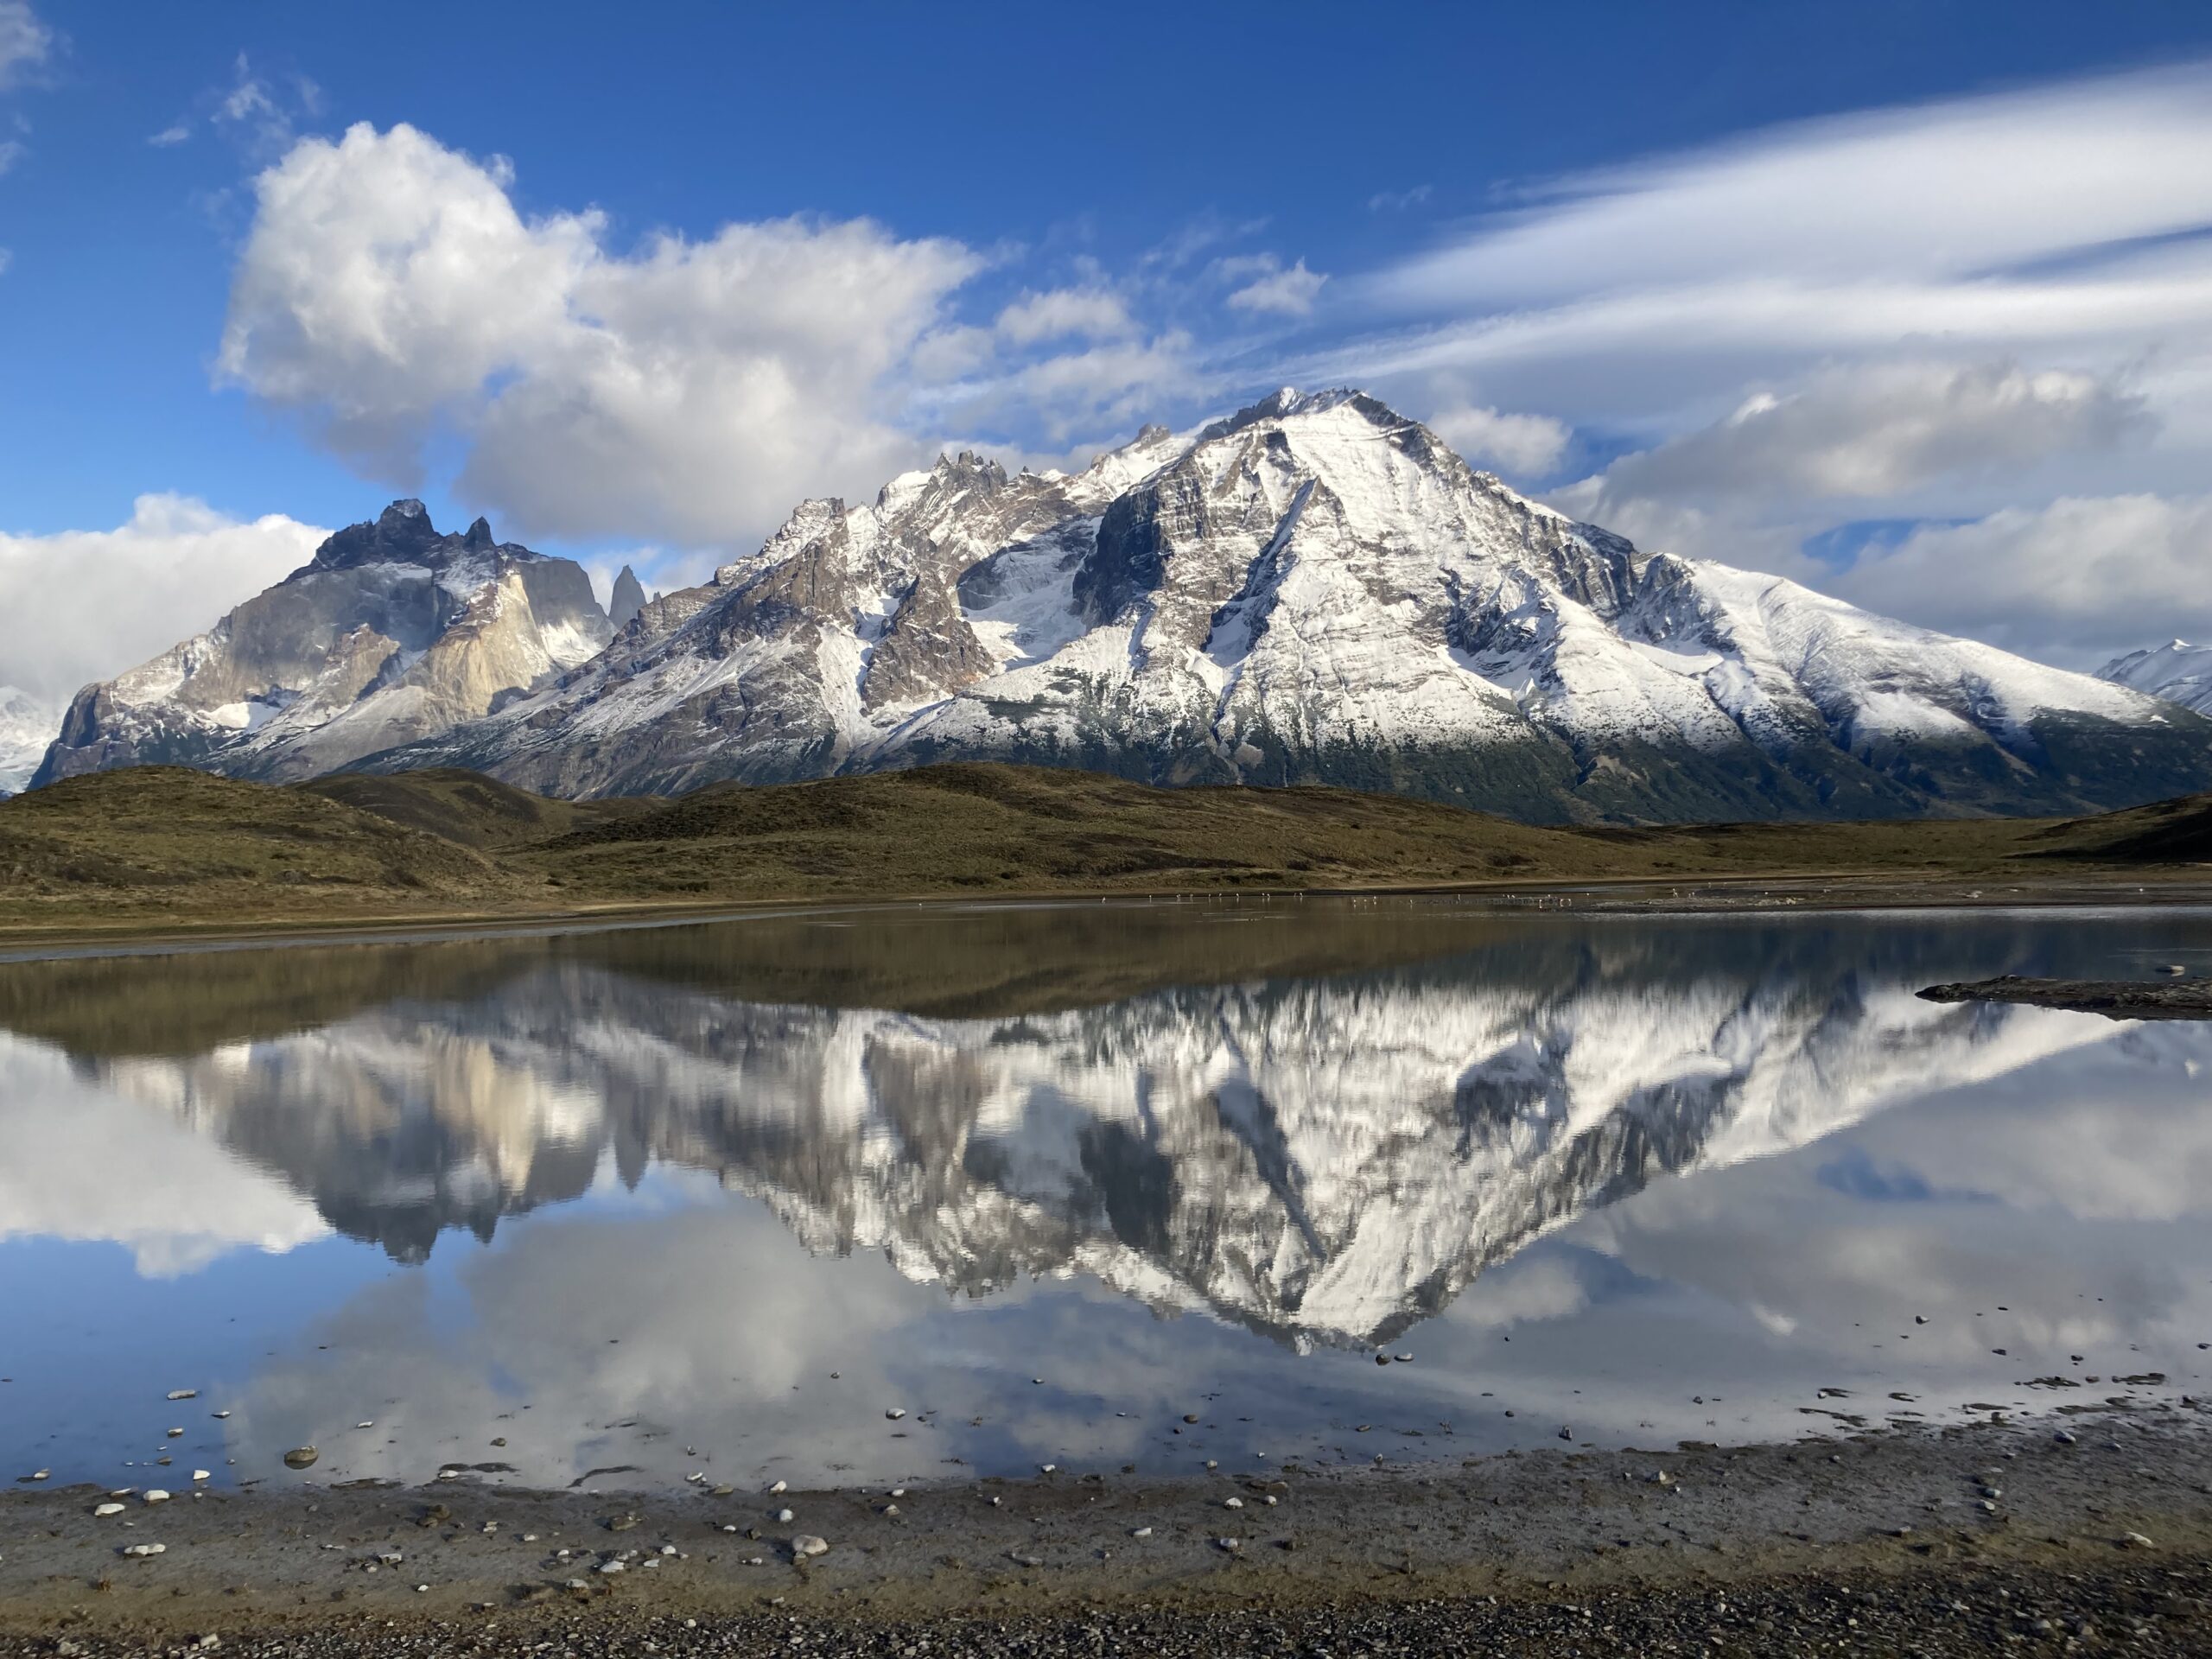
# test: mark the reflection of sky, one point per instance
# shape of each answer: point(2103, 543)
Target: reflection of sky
point(2049, 1201)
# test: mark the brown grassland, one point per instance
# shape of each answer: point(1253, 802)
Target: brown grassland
point(163, 849)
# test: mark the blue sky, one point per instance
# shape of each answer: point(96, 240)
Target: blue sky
point(1727, 276)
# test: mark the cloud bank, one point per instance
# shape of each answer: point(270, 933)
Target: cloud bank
point(80, 605)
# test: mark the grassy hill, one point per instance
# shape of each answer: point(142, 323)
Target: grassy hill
point(163, 847)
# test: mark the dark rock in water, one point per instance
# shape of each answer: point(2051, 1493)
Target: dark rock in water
point(2116, 999)
point(302, 1458)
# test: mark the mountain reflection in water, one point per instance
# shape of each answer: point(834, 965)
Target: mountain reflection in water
point(1320, 1120)
point(1054, 1179)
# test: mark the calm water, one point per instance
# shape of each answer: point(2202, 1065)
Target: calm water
point(716, 1199)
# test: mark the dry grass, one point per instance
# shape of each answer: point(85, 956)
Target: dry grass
point(163, 847)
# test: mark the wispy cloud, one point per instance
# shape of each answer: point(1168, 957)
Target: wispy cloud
point(26, 43)
point(1397, 202)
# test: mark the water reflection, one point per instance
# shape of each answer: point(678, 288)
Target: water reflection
point(990, 1136)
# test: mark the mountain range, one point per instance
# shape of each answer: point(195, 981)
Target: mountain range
point(1314, 589)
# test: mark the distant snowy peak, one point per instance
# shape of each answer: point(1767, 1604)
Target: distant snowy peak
point(1314, 588)
point(2178, 671)
point(27, 725)
point(391, 633)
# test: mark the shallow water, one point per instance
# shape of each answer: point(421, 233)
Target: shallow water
point(712, 1201)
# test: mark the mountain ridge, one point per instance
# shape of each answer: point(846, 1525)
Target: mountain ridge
point(390, 632)
point(2178, 671)
point(1314, 589)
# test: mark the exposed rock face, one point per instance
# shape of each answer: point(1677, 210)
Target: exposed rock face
point(392, 633)
point(2178, 671)
point(1315, 588)
point(629, 598)
point(27, 725)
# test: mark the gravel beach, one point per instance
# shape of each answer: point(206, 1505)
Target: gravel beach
point(2090, 1530)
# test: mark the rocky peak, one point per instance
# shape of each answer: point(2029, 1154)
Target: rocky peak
point(628, 599)
point(401, 534)
point(479, 539)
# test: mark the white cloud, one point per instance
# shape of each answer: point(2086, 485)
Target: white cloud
point(1520, 443)
point(1873, 431)
point(79, 605)
point(25, 42)
point(2061, 226)
point(1289, 293)
point(1094, 313)
point(2077, 581)
point(168, 136)
point(2030, 215)
point(257, 107)
point(1396, 201)
point(11, 151)
point(689, 392)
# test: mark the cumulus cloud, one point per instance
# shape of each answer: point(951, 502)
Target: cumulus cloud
point(79, 605)
point(2077, 581)
point(1289, 293)
point(390, 285)
point(26, 43)
point(391, 293)
point(1520, 443)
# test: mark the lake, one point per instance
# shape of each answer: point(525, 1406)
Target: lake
point(626, 1208)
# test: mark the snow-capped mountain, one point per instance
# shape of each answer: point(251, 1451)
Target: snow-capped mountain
point(2178, 671)
point(1325, 1159)
point(27, 725)
point(391, 633)
point(1314, 588)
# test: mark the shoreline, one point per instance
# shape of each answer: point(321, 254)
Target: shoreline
point(1816, 891)
point(1510, 1537)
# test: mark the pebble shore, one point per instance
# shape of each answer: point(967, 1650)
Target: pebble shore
point(2092, 1529)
